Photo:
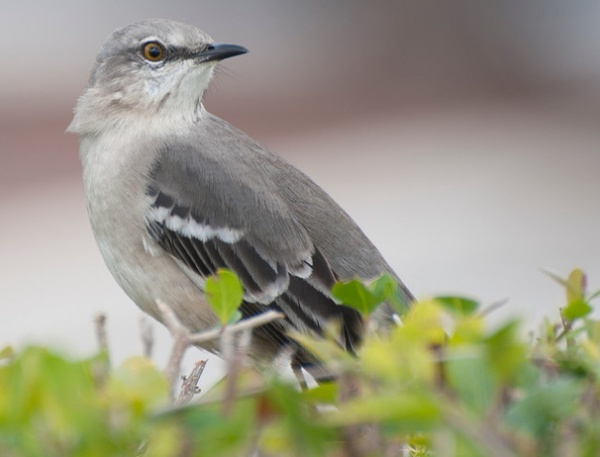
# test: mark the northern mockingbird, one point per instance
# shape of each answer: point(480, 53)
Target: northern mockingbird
point(173, 193)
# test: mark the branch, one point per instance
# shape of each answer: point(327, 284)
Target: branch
point(567, 327)
point(100, 328)
point(234, 360)
point(493, 307)
point(101, 367)
point(147, 336)
point(183, 338)
point(252, 322)
point(181, 342)
point(189, 385)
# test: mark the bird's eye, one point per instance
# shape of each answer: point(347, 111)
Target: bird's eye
point(153, 51)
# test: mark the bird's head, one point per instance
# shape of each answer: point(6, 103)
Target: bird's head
point(148, 68)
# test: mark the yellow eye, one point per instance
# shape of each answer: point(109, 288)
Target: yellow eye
point(153, 51)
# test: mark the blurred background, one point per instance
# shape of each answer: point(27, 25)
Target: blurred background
point(463, 137)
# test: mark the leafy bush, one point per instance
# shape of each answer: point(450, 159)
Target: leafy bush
point(442, 383)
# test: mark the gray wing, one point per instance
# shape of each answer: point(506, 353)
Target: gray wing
point(210, 212)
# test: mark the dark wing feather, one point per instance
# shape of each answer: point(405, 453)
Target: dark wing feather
point(300, 289)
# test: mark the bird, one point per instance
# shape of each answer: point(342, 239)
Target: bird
point(174, 193)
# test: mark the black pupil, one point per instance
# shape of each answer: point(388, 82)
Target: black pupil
point(154, 51)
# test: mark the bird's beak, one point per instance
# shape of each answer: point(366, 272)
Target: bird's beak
point(216, 51)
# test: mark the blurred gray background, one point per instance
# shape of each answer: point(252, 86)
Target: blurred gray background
point(462, 136)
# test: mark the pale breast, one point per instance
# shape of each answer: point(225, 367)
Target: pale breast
point(115, 188)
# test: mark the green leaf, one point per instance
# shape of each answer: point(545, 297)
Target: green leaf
point(412, 411)
point(6, 352)
point(324, 393)
point(224, 293)
point(543, 406)
point(322, 348)
point(469, 373)
point(576, 309)
point(383, 288)
point(47, 402)
point(138, 384)
point(365, 298)
point(576, 285)
point(164, 440)
point(389, 362)
point(459, 305)
point(592, 328)
point(295, 425)
point(425, 323)
point(203, 430)
point(506, 353)
point(356, 295)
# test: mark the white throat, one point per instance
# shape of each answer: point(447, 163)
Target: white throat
point(168, 102)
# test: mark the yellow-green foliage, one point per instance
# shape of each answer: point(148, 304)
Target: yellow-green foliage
point(443, 383)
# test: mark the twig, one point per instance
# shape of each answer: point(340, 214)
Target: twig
point(101, 367)
point(493, 307)
point(358, 440)
point(252, 322)
point(234, 360)
point(100, 328)
point(189, 385)
point(567, 327)
point(480, 433)
point(183, 338)
point(181, 342)
point(147, 336)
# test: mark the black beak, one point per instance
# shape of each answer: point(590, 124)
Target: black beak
point(218, 52)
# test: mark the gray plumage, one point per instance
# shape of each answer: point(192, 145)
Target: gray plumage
point(173, 193)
